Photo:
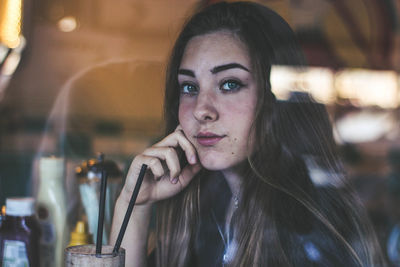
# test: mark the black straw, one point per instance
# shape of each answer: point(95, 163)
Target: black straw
point(103, 187)
point(130, 208)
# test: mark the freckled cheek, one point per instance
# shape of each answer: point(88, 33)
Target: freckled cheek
point(183, 110)
point(184, 117)
point(241, 120)
point(234, 145)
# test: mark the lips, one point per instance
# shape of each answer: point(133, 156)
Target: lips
point(208, 138)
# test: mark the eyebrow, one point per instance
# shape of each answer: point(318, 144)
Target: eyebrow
point(186, 72)
point(228, 66)
point(215, 69)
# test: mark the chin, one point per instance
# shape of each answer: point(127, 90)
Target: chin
point(215, 164)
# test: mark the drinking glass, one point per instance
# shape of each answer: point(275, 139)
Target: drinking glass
point(85, 256)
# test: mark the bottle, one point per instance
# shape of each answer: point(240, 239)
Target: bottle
point(89, 176)
point(20, 234)
point(2, 213)
point(80, 235)
point(52, 211)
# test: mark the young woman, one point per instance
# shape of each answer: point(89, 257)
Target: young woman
point(229, 180)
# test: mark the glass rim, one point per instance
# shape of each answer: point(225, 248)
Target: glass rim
point(92, 253)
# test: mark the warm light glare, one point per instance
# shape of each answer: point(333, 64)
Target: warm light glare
point(316, 81)
point(67, 24)
point(365, 126)
point(360, 86)
point(10, 22)
point(368, 88)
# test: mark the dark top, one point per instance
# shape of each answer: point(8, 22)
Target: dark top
point(210, 247)
point(211, 237)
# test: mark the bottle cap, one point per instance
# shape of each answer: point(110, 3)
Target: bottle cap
point(24, 206)
point(80, 235)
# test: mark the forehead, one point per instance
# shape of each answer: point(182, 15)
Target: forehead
point(215, 48)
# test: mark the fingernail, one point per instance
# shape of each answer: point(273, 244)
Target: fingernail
point(193, 159)
point(175, 180)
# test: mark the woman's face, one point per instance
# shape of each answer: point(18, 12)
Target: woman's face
point(218, 99)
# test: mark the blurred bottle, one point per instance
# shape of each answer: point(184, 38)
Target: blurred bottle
point(2, 213)
point(20, 234)
point(393, 185)
point(52, 211)
point(393, 246)
point(89, 178)
point(80, 235)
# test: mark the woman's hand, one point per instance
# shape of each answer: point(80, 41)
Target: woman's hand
point(164, 176)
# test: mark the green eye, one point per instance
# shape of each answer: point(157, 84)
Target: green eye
point(188, 88)
point(231, 85)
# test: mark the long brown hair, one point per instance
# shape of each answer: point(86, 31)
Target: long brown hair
point(280, 205)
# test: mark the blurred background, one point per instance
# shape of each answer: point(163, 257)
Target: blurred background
point(82, 77)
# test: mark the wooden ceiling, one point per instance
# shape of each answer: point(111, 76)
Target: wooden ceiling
point(334, 33)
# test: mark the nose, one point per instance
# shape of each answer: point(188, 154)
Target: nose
point(205, 109)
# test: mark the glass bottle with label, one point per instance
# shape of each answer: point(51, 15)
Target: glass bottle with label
point(19, 234)
point(89, 176)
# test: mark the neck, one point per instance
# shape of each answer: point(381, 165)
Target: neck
point(234, 181)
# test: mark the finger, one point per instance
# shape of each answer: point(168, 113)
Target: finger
point(179, 128)
point(167, 154)
point(187, 174)
point(176, 139)
point(153, 163)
